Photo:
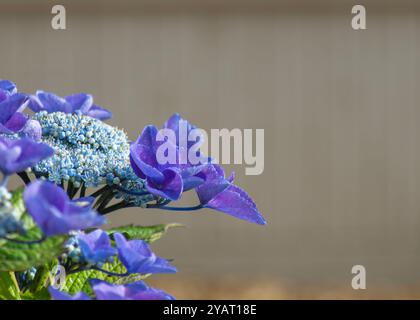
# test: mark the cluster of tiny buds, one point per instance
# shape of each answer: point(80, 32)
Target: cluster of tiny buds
point(71, 252)
point(87, 150)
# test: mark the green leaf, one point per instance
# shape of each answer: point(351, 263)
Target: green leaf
point(9, 289)
point(80, 281)
point(41, 294)
point(146, 233)
point(131, 278)
point(19, 257)
point(42, 277)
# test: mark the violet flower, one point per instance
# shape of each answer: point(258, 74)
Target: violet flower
point(133, 291)
point(18, 155)
point(171, 179)
point(106, 291)
point(137, 257)
point(55, 213)
point(162, 180)
point(60, 295)
point(77, 103)
point(95, 247)
point(12, 120)
point(8, 87)
point(221, 194)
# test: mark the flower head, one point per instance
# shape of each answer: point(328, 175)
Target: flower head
point(132, 291)
point(106, 291)
point(80, 103)
point(167, 180)
point(95, 247)
point(55, 213)
point(18, 155)
point(87, 150)
point(137, 257)
point(221, 194)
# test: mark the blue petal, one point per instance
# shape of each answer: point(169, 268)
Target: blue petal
point(8, 86)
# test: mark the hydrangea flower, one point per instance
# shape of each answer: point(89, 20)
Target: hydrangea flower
point(18, 155)
point(105, 291)
point(95, 247)
point(55, 213)
point(133, 291)
point(137, 257)
point(80, 103)
point(221, 194)
point(12, 119)
point(60, 295)
point(8, 87)
point(162, 180)
point(171, 179)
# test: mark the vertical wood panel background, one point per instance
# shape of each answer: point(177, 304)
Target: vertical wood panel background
point(340, 110)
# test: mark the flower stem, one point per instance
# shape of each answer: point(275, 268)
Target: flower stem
point(83, 190)
point(112, 274)
point(70, 189)
point(107, 199)
point(153, 206)
point(117, 206)
point(133, 193)
point(97, 193)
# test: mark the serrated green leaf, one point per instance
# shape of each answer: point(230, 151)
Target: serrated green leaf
point(41, 294)
point(9, 289)
point(19, 257)
point(131, 278)
point(79, 281)
point(146, 233)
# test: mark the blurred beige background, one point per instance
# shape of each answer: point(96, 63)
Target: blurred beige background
point(340, 109)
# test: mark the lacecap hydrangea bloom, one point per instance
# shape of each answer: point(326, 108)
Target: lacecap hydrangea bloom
point(76, 169)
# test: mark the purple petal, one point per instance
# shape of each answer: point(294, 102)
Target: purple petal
point(8, 86)
point(214, 184)
point(3, 95)
point(99, 113)
point(50, 102)
point(106, 291)
point(236, 202)
point(54, 213)
point(133, 291)
point(96, 246)
point(173, 122)
point(171, 187)
point(16, 122)
point(60, 295)
point(10, 106)
point(18, 155)
point(143, 154)
point(137, 257)
point(80, 102)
